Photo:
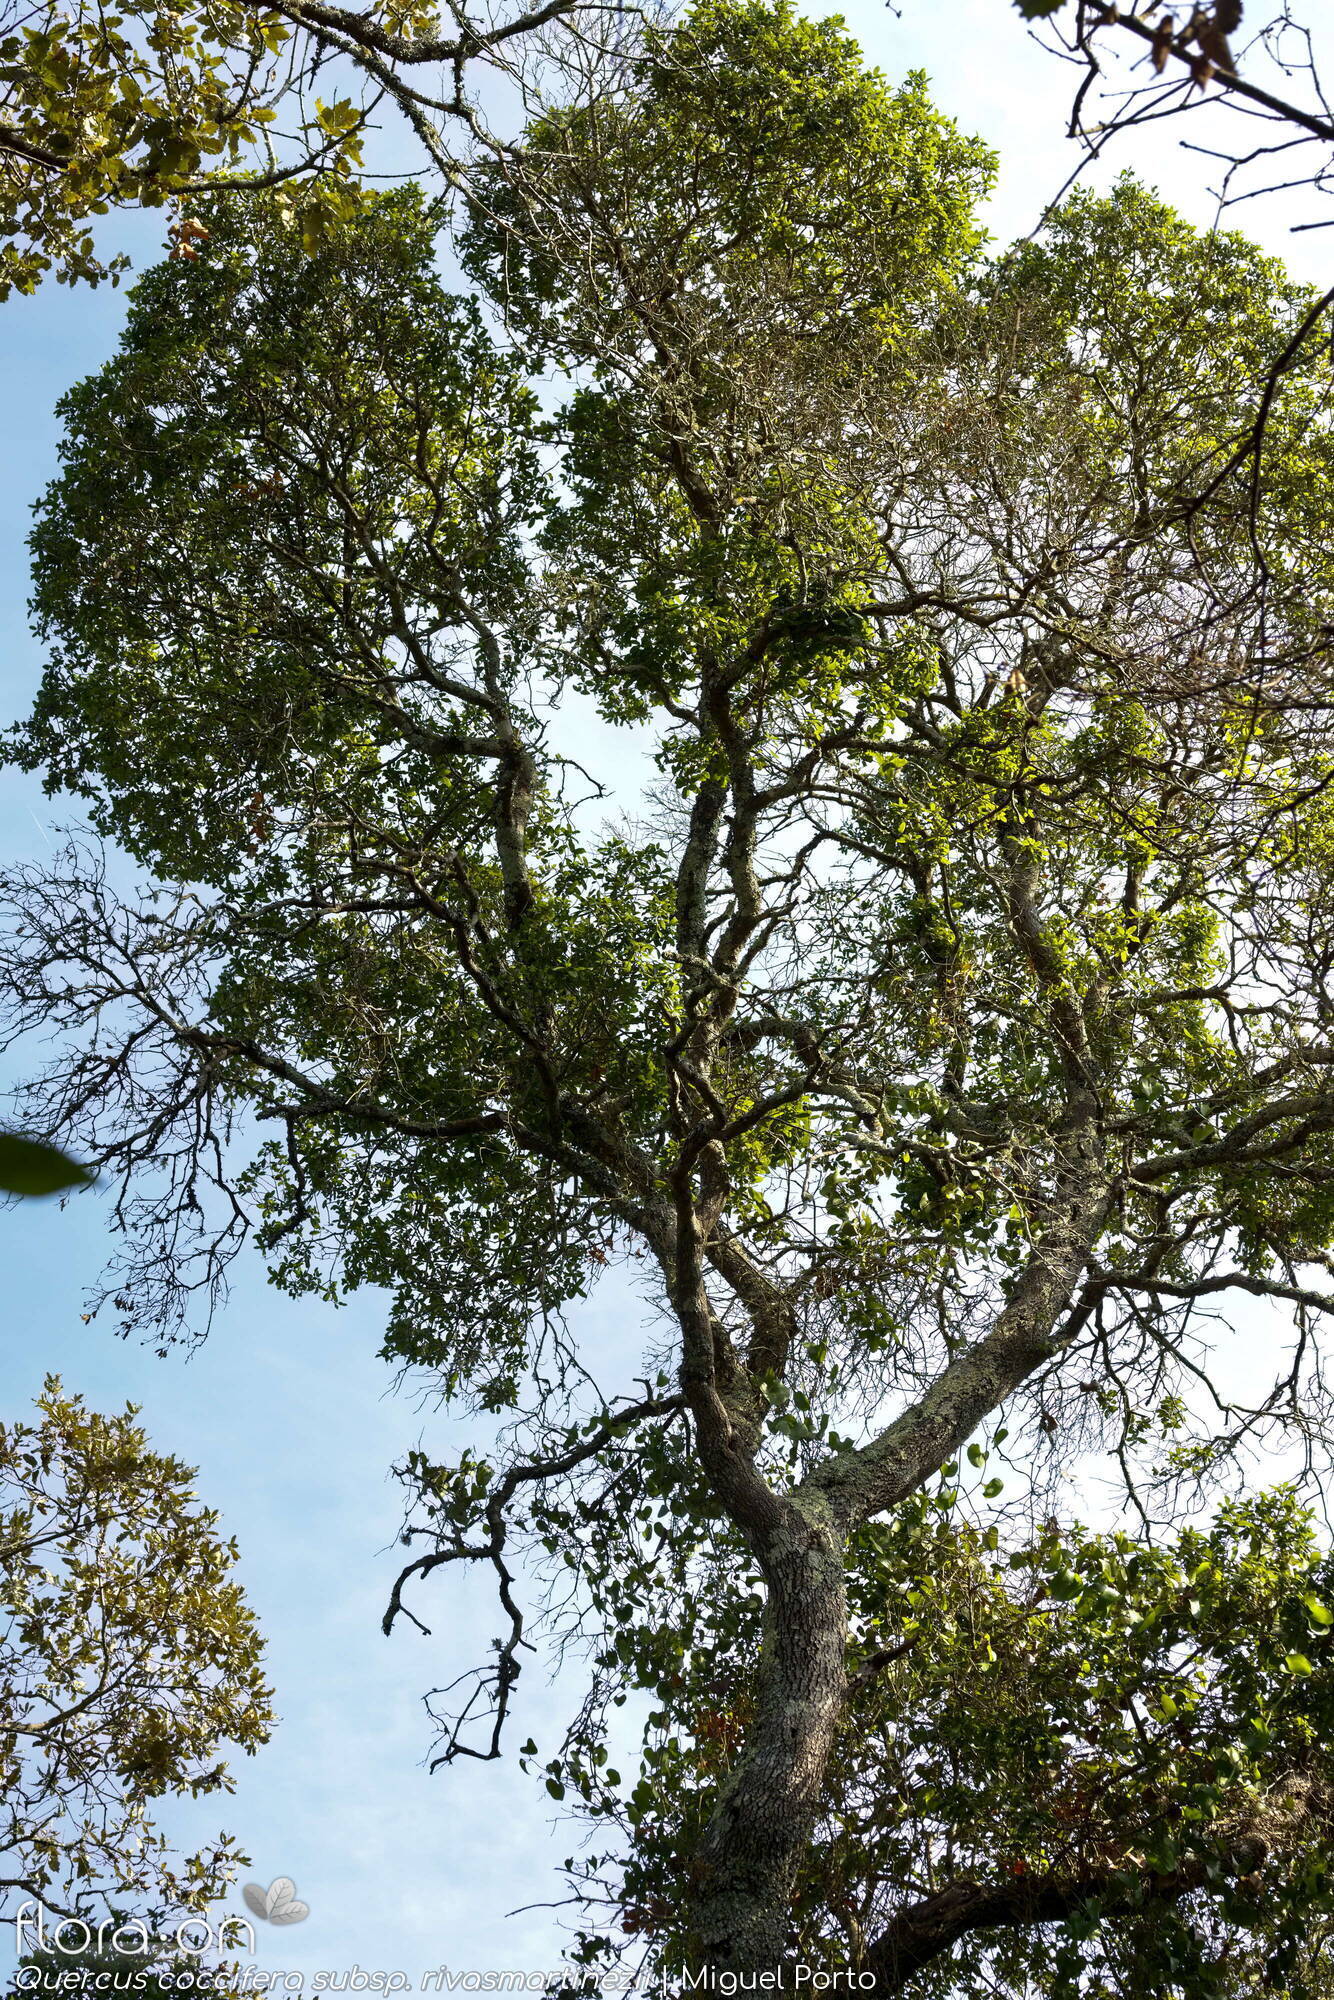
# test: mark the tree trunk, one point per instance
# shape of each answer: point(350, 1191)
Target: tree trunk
point(750, 1852)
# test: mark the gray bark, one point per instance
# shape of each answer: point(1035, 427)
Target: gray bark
point(748, 1859)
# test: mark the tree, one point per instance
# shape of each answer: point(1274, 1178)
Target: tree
point(1251, 98)
point(1139, 66)
point(149, 105)
point(128, 1657)
point(1096, 1767)
point(939, 1041)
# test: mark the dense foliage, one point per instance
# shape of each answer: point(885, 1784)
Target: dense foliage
point(128, 1659)
point(99, 108)
point(1093, 1766)
point(933, 1038)
point(153, 103)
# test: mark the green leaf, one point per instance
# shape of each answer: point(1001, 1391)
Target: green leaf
point(1297, 1663)
point(1039, 10)
point(28, 1168)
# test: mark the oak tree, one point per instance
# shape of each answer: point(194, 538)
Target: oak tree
point(938, 1039)
point(128, 1659)
point(151, 104)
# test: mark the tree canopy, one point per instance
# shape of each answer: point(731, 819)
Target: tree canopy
point(936, 1040)
point(149, 105)
point(128, 1660)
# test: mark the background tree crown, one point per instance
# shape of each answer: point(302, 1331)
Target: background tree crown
point(128, 1659)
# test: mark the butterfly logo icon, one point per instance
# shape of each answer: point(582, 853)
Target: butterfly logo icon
point(278, 1903)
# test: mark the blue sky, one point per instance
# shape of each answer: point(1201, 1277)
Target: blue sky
point(286, 1410)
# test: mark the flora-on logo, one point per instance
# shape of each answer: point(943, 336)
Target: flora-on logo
point(130, 1937)
point(278, 1903)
